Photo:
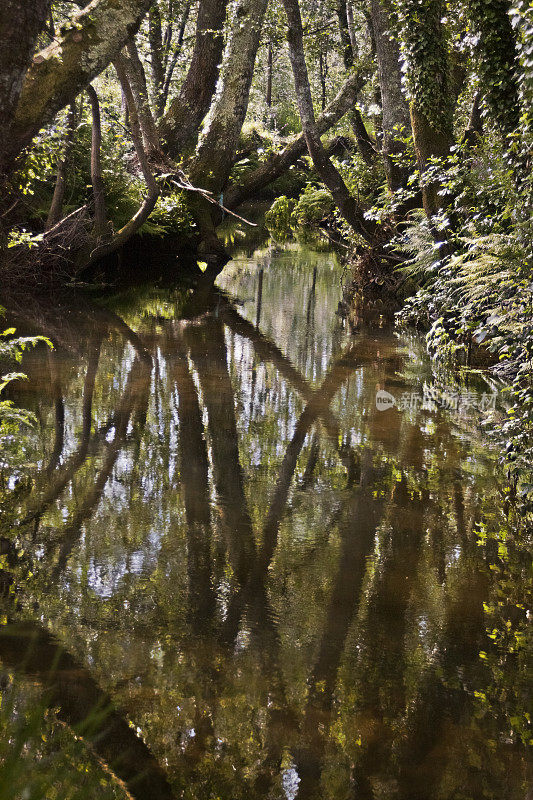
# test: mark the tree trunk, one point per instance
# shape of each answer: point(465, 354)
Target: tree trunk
point(171, 66)
point(496, 54)
point(365, 145)
point(148, 205)
point(474, 130)
point(155, 40)
point(137, 80)
point(351, 26)
point(218, 145)
point(279, 163)
point(216, 150)
point(393, 103)
point(346, 204)
point(428, 73)
point(59, 72)
point(323, 65)
point(20, 24)
point(270, 66)
point(101, 227)
point(180, 124)
point(348, 49)
point(56, 206)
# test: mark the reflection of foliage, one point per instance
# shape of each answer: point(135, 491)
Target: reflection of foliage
point(11, 417)
point(508, 618)
point(41, 759)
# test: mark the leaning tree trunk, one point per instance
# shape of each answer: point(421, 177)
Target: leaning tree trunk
point(347, 205)
point(278, 163)
point(100, 216)
point(137, 80)
point(180, 125)
point(393, 103)
point(58, 73)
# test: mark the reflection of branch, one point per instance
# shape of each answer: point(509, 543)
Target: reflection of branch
point(30, 649)
point(138, 373)
point(194, 475)
point(66, 472)
point(267, 351)
point(59, 406)
point(318, 404)
point(361, 516)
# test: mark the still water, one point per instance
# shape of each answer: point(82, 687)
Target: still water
point(234, 576)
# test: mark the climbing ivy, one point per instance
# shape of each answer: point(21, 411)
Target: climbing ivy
point(424, 45)
point(494, 48)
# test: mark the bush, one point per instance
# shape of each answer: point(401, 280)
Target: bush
point(278, 218)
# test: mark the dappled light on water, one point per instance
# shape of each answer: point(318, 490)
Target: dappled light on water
point(236, 575)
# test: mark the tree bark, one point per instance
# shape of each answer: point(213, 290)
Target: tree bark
point(215, 154)
point(425, 46)
point(394, 106)
point(100, 217)
point(280, 162)
point(59, 72)
point(56, 206)
point(496, 53)
point(171, 66)
point(134, 69)
point(474, 129)
point(180, 124)
point(348, 207)
point(365, 145)
point(216, 150)
point(270, 67)
point(155, 40)
point(20, 24)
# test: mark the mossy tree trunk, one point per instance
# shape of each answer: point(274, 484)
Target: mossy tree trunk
point(59, 72)
point(20, 25)
point(217, 147)
point(179, 126)
point(425, 48)
point(395, 110)
point(496, 54)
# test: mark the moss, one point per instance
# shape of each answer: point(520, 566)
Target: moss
point(66, 66)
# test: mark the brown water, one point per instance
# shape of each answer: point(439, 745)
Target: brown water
point(279, 590)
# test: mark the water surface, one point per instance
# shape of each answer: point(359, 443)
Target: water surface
point(281, 590)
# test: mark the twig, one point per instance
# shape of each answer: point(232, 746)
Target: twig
point(208, 196)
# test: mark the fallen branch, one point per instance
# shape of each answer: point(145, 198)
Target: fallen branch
point(205, 193)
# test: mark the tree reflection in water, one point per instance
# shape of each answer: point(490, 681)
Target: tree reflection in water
point(226, 546)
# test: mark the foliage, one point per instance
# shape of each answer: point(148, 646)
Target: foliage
point(476, 290)
point(278, 217)
point(40, 758)
point(314, 206)
point(12, 418)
